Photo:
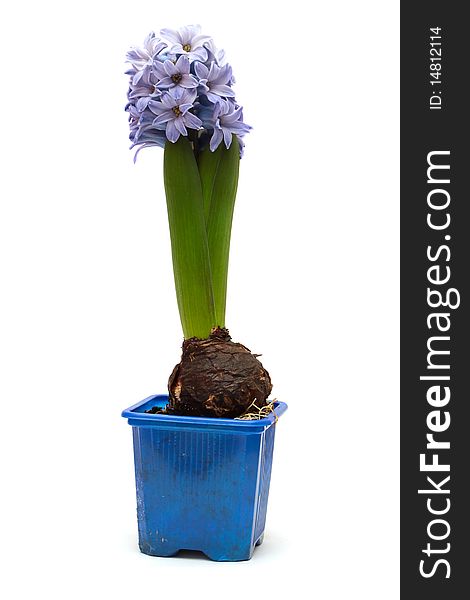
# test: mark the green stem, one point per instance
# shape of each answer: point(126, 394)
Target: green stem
point(189, 241)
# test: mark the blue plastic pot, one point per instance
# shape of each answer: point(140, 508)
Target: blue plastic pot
point(202, 483)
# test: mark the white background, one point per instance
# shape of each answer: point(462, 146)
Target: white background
point(89, 323)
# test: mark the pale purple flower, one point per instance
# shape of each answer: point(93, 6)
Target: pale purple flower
point(187, 40)
point(213, 54)
point(176, 74)
point(143, 58)
point(144, 91)
point(228, 120)
point(173, 111)
point(142, 131)
point(182, 84)
point(214, 81)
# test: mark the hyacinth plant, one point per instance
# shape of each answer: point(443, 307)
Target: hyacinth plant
point(181, 98)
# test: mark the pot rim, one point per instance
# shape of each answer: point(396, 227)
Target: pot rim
point(137, 417)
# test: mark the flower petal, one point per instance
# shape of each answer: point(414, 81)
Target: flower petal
point(233, 117)
point(198, 54)
point(176, 49)
point(200, 39)
point(201, 70)
point(216, 139)
point(188, 81)
point(222, 90)
point(170, 68)
point(214, 72)
point(164, 118)
point(182, 64)
point(142, 103)
point(179, 124)
point(214, 98)
point(171, 132)
point(138, 76)
point(171, 35)
point(239, 127)
point(192, 121)
point(165, 83)
point(227, 137)
point(187, 95)
point(185, 107)
point(156, 107)
point(168, 100)
point(158, 69)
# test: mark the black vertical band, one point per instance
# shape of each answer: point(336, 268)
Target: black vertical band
point(435, 273)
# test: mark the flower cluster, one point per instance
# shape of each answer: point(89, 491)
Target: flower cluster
point(181, 85)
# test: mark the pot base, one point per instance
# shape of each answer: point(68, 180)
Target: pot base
point(221, 557)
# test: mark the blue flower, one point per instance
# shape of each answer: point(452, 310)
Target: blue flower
point(228, 119)
point(213, 54)
point(142, 59)
point(145, 90)
point(142, 131)
point(187, 40)
point(178, 83)
point(173, 110)
point(176, 74)
point(214, 81)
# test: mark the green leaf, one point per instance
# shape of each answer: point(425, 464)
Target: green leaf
point(219, 179)
point(189, 243)
point(208, 163)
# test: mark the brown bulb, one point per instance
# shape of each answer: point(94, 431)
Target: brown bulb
point(217, 378)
